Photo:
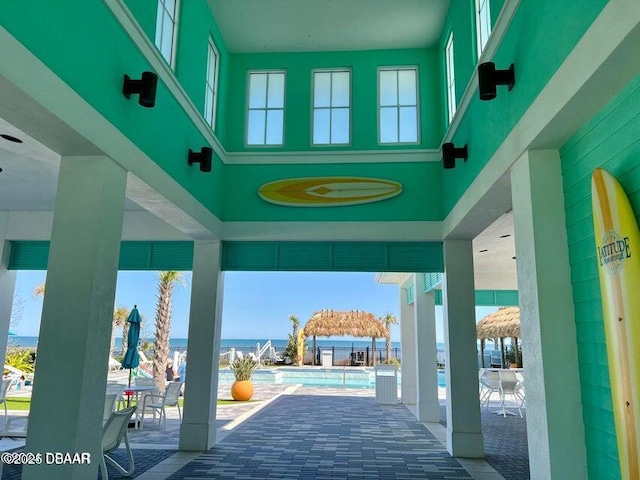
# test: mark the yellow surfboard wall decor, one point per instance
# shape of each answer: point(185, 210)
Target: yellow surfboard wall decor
point(618, 253)
point(328, 191)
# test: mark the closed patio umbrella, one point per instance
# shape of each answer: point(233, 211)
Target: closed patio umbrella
point(131, 359)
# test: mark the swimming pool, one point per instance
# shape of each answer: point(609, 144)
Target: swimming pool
point(350, 377)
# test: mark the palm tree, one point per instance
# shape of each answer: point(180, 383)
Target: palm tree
point(120, 317)
point(166, 282)
point(291, 350)
point(38, 290)
point(388, 320)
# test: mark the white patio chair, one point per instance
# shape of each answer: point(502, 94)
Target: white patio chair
point(114, 430)
point(4, 388)
point(490, 384)
point(141, 396)
point(520, 391)
point(509, 385)
point(157, 403)
point(481, 388)
point(118, 389)
point(109, 405)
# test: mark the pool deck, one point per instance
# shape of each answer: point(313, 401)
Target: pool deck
point(292, 431)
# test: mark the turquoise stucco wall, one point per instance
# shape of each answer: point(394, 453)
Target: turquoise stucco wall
point(537, 47)
point(364, 80)
point(611, 140)
point(145, 12)
point(419, 200)
point(164, 133)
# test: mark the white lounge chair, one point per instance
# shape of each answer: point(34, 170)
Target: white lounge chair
point(114, 430)
point(114, 365)
point(144, 361)
point(158, 403)
point(4, 388)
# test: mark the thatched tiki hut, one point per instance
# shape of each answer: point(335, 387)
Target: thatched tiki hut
point(500, 324)
point(329, 323)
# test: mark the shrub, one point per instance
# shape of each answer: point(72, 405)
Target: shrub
point(22, 359)
point(392, 361)
point(243, 368)
point(510, 355)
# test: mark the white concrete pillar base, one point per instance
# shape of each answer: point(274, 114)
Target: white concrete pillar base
point(77, 316)
point(464, 428)
point(201, 436)
point(7, 286)
point(424, 307)
point(409, 394)
point(408, 381)
point(465, 445)
point(428, 411)
point(198, 432)
point(555, 427)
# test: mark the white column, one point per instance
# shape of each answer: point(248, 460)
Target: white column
point(408, 381)
point(464, 430)
point(424, 305)
point(554, 408)
point(7, 286)
point(198, 429)
point(77, 314)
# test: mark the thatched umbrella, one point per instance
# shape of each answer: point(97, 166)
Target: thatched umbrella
point(329, 323)
point(500, 324)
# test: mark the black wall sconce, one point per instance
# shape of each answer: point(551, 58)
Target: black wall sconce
point(203, 157)
point(450, 153)
point(145, 88)
point(489, 78)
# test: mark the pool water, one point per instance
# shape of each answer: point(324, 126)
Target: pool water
point(318, 377)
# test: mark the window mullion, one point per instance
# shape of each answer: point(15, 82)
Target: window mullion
point(398, 104)
point(266, 111)
point(330, 108)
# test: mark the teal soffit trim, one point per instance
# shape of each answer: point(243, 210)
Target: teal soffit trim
point(333, 256)
point(154, 256)
point(489, 298)
point(431, 281)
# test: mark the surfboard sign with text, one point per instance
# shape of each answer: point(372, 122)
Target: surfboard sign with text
point(617, 241)
point(328, 191)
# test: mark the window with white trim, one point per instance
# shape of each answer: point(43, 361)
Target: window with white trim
point(265, 116)
point(211, 89)
point(451, 78)
point(483, 24)
point(166, 29)
point(398, 105)
point(331, 107)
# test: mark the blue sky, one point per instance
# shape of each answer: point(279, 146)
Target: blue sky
point(256, 304)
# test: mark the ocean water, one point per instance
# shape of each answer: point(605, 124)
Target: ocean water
point(227, 343)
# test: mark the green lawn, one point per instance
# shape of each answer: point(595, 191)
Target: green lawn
point(18, 403)
point(24, 403)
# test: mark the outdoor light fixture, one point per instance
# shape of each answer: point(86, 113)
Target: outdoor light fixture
point(489, 78)
point(145, 88)
point(10, 138)
point(203, 158)
point(450, 153)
